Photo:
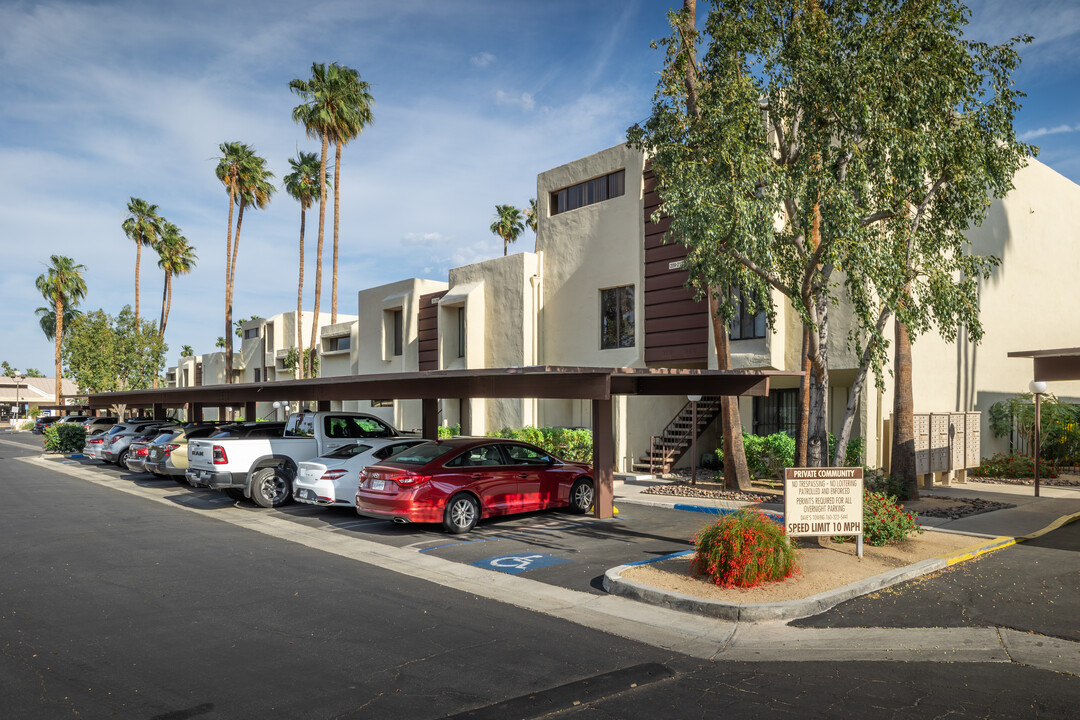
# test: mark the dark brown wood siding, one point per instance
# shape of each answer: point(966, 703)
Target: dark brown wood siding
point(676, 326)
point(427, 325)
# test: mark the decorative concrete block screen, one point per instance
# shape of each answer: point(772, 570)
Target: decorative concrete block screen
point(947, 441)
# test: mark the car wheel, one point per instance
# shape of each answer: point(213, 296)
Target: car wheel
point(234, 493)
point(581, 496)
point(271, 487)
point(461, 514)
point(121, 459)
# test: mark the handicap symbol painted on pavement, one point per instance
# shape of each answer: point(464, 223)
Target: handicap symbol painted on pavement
point(516, 564)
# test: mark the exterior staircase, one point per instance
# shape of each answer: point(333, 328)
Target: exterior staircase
point(669, 446)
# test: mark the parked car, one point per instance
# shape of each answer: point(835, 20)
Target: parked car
point(462, 480)
point(115, 449)
point(43, 422)
point(167, 454)
point(233, 430)
point(263, 469)
point(332, 479)
point(75, 418)
point(96, 444)
point(97, 425)
point(139, 448)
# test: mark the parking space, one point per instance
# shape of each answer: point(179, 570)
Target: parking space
point(554, 547)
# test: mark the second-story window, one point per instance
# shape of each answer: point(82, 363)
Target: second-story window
point(746, 325)
point(251, 333)
point(461, 332)
point(592, 191)
point(617, 317)
point(337, 343)
point(399, 332)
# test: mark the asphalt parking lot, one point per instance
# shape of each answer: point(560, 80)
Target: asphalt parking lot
point(553, 547)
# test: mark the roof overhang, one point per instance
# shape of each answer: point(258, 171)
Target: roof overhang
point(1052, 365)
point(546, 382)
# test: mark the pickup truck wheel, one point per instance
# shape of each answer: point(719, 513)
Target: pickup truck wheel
point(271, 487)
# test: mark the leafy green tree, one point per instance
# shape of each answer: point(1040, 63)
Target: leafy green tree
point(508, 224)
point(47, 319)
point(104, 353)
point(302, 184)
point(142, 226)
point(175, 257)
point(63, 286)
point(34, 373)
point(336, 108)
point(8, 371)
point(247, 182)
point(876, 173)
point(186, 351)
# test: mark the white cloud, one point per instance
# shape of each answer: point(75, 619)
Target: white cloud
point(524, 100)
point(482, 60)
point(1041, 132)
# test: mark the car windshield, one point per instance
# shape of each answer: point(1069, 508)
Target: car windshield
point(348, 451)
point(422, 454)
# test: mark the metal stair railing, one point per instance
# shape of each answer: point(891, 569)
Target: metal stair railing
point(678, 431)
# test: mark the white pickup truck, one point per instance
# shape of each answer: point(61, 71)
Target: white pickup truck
point(263, 468)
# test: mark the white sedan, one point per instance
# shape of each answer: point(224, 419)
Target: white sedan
point(333, 478)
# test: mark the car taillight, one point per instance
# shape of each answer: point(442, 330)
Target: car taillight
point(142, 451)
point(220, 458)
point(96, 441)
point(116, 438)
point(168, 448)
point(409, 479)
point(334, 474)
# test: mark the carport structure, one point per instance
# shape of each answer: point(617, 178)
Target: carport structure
point(598, 385)
point(1062, 364)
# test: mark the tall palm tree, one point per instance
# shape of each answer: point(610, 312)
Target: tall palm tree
point(143, 225)
point(508, 224)
point(175, 257)
point(63, 286)
point(47, 319)
point(530, 215)
point(247, 182)
point(303, 185)
point(186, 351)
point(336, 108)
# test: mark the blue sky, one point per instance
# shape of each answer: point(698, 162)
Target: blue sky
point(112, 99)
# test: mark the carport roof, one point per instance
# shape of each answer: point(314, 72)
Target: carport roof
point(587, 383)
point(1059, 364)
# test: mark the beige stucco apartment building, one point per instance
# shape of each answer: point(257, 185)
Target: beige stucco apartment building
point(601, 288)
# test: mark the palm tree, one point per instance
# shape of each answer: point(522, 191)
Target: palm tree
point(336, 108)
point(186, 351)
point(47, 319)
point(143, 225)
point(303, 185)
point(508, 224)
point(247, 181)
point(63, 286)
point(175, 257)
point(530, 215)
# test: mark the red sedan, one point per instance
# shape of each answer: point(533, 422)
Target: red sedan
point(459, 481)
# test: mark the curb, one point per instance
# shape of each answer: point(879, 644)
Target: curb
point(615, 584)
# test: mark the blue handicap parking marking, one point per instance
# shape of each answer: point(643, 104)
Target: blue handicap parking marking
point(517, 564)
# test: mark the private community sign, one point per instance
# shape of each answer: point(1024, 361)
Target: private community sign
point(823, 501)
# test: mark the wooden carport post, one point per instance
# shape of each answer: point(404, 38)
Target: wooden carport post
point(429, 423)
point(603, 460)
point(158, 411)
point(195, 412)
point(250, 413)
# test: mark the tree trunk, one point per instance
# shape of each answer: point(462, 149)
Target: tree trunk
point(318, 257)
point(337, 186)
point(228, 275)
point(858, 387)
point(138, 261)
point(817, 445)
point(164, 293)
point(229, 298)
point(736, 474)
point(58, 303)
point(168, 303)
point(903, 444)
point(300, 301)
point(802, 434)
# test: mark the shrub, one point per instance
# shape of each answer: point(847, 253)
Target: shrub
point(886, 522)
point(1012, 466)
point(875, 480)
point(744, 549)
point(64, 437)
point(449, 431)
point(573, 445)
point(853, 456)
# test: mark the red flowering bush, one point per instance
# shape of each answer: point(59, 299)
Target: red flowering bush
point(744, 550)
point(884, 521)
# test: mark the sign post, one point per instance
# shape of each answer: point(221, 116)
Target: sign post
point(824, 501)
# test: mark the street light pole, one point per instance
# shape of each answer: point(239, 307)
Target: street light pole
point(693, 437)
point(18, 400)
point(1038, 388)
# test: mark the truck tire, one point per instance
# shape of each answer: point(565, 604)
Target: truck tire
point(271, 487)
